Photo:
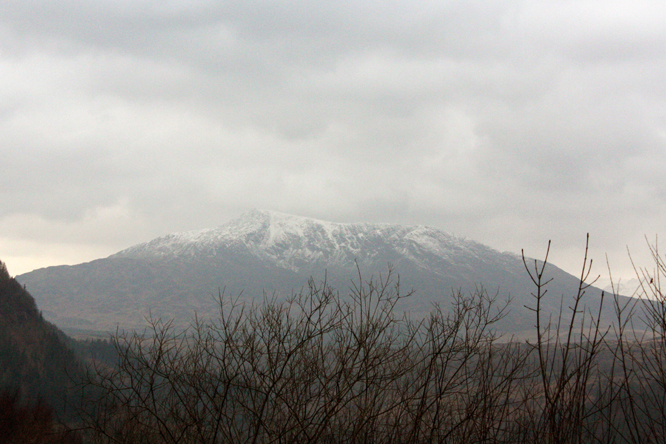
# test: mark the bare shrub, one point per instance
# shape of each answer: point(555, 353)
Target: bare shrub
point(313, 368)
point(321, 368)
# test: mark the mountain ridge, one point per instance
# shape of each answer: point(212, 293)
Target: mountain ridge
point(265, 252)
point(288, 239)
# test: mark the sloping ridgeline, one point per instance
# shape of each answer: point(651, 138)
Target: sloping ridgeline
point(177, 275)
point(34, 358)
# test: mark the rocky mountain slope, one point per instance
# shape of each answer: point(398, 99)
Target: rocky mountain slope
point(265, 252)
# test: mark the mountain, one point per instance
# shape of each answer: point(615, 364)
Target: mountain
point(265, 252)
point(34, 358)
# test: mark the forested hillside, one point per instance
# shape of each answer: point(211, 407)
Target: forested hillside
point(34, 359)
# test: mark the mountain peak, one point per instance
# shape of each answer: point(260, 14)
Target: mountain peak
point(280, 227)
point(297, 243)
point(275, 223)
point(261, 250)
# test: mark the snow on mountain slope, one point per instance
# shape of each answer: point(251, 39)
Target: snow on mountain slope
point(295, 242)
point(265, 252)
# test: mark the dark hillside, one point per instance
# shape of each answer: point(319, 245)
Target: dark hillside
point(34, 359)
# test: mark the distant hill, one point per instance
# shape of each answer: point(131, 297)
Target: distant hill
point(34, 358)
point(176, 275)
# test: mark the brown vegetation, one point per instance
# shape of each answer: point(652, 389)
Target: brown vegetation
point(30, 423)
point(319, 368)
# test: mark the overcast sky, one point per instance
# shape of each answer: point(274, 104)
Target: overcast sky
point(509, 122)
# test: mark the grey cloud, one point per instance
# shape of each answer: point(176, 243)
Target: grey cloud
point(488, 118)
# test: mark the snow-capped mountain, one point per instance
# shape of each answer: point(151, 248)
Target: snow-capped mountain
point(269, 252)
point(299, 243)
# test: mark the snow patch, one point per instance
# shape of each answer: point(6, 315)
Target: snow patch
point(294, 242)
